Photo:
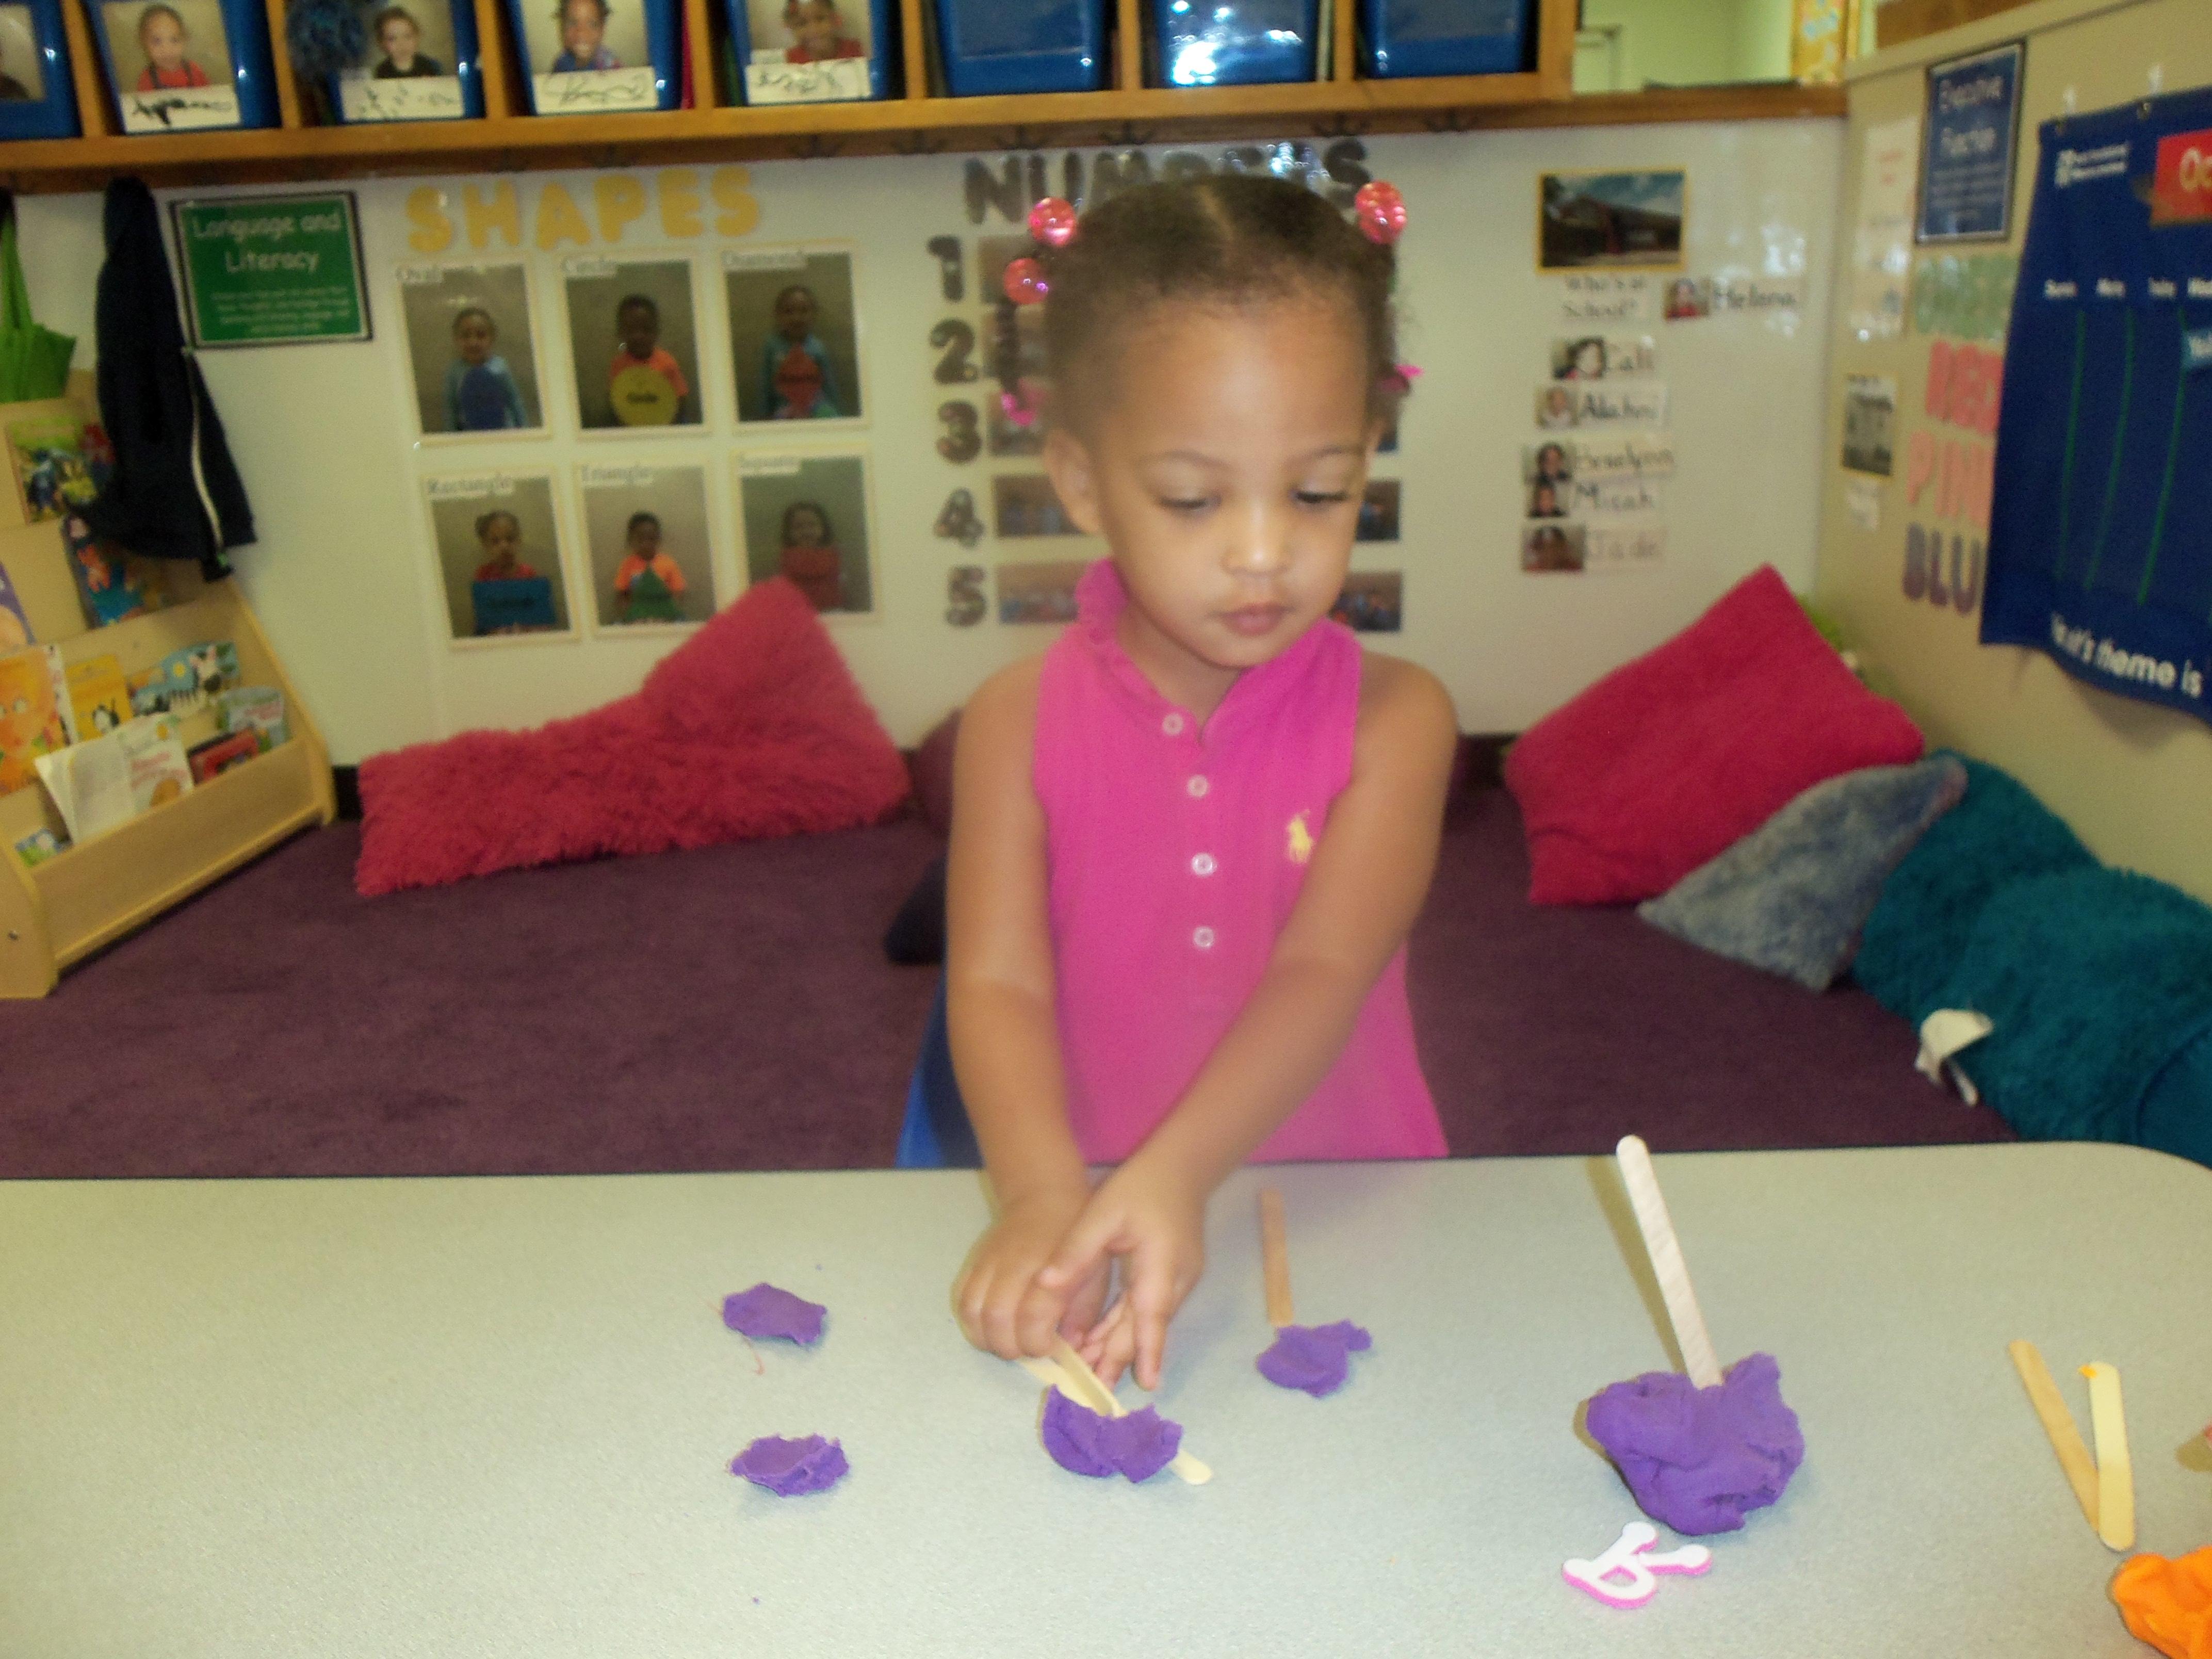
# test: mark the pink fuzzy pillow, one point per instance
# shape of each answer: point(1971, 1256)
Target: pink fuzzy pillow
point(752, 727)
point(1672, 759)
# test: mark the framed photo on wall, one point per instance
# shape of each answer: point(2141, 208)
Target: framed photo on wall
point(1624, 220)
point(634, 340)
point(811, 52)
point(808, 518)
point(411, 68)
point(794, 334)
point(650, 544)
point(172, 64)
point(471, 355)
point(593, 57)
point(496, 544)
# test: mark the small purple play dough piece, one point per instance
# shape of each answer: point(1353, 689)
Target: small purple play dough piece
point(1700, 1459)
point(1138, 1446)
point(791, 1467)
point(765, 1311)
point(1313, 1357)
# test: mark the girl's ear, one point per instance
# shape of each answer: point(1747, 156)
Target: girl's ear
point(1074, 479)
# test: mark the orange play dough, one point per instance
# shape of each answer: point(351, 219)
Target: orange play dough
point(2167, 1603)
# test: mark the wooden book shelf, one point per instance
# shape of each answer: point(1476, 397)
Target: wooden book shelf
point(910, 122)
point(56, 913)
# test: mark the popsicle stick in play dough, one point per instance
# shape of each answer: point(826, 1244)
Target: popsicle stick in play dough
point(1275, 1259)
point(2059, 1424)
point(1066, 1372)
point(1312, 1359)
point(1642, 1181)
point(2116, 1479)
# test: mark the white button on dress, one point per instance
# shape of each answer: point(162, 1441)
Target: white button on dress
point(1203, 864)
point(1198, 786)
point(1172, 725)
point(1203, 938)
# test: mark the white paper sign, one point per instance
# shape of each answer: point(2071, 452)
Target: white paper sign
point(411, 98)
point(1881, 247)
point(592, 92)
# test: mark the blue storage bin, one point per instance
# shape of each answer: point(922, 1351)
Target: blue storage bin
point(421, 64)
point(1227, 43)
point(1022, 46)
point(844, 46)
point(599, 56)
point(1443, 37)
point(34, 59)
point(186, 65)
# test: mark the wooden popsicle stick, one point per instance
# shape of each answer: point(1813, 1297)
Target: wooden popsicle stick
point(2059, 1424)
point(2116, 1478)
point(1698, 1360)
point(1275, 1259)
point(1066, 1371)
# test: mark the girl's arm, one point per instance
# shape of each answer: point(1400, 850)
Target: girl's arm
point(1004, 1030)
point(1369, 876)
point(514, 409)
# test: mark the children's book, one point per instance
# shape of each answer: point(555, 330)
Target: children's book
point(184, 681)
point(111, 585)
point(38, 846)
point(108, 781)
point(218, 754)
point(34, 713)
point(256, 708)
point(100, 698)
point(14, 621)
point(60, 463)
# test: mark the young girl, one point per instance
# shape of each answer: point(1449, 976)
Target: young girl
point(818, 33)
point(162, 38)
point(399, 34)
point(583, 36)
point(795, 381)
point(1188, 842)
point(811, 558)
point(481, 395)
point(648, 586)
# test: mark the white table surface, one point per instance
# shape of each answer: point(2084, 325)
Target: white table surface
point(493, 1417)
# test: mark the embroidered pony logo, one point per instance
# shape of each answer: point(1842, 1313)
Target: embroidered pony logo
point(1299, 839)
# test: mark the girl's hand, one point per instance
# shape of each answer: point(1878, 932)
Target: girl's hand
point(1154, 1222)
point(1003, 1304)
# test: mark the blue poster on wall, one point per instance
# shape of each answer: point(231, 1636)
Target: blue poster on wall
point(2101, 526)
point(1970, 135)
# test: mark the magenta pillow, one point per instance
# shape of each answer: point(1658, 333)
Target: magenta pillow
point(1670, 759)
point(752, 727)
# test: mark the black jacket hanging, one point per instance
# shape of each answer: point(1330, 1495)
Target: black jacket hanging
point(174, 493)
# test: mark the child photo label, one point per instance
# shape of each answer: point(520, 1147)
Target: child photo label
point(411, 68)
point(172, 64)
point(794, 334)
point(470, 349)
point(807, 519)
point(634, 339)
point(496, 541)
point(588, 56)
point(807, 51)
point(271, 270)
point(651, 558)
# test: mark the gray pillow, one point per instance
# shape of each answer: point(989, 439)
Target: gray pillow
point(1792, 895)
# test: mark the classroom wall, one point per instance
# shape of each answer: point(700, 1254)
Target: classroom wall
point(1687, 43)
point(2134, 780)
point(345, 581)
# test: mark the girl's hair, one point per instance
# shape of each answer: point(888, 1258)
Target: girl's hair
point(641, 301)
point(1542, 450)
point(392, 15)
point(1581, 345)
point(561, 11)
point(486, 520)
point(637, 519)
point(815, 508)
point(783, 293)
point(159, 10)
point(467, 311)
point(1225, 239)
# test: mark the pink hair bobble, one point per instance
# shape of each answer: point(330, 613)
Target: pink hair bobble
point(1052, 222)
point(1025, 282)
point(1018, 406)
point(1380, 212)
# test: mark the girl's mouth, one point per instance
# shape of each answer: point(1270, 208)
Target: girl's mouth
point(1252, 621)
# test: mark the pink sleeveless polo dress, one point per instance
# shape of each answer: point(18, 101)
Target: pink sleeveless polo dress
point(1176, 853)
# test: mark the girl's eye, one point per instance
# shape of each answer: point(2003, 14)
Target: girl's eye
point(1321, 498)
point(1190, 504)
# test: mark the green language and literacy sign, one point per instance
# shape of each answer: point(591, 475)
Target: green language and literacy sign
point(272, 269)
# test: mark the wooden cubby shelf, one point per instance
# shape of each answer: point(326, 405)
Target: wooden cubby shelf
point(509, 139)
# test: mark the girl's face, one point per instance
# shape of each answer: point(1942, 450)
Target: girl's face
point(163, 37)
point(500, 539)
point(1551, 461)
point(472, 338)
point(583, 25)
point(639, 330)
point(795, 315)
point(1223, 462)
point(807, 529)
point(818, 27)
point(645, 538)
point(1589, 359)
point(1556, 404)
point(398, 39)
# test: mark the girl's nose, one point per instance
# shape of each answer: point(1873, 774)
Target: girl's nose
point(1258, 541)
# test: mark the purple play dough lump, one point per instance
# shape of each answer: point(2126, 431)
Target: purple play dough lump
point(765, 1311)
point(1081, 1441)
point(791, 1467)
point(1700, 1459)
point(1313, 1357)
